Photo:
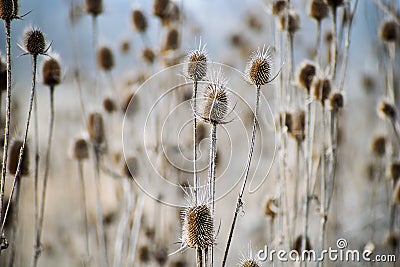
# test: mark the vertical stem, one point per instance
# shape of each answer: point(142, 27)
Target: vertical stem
point(135, 230)
point(318, 42)
point(239, 202)
point(84, 213)
point(199, 255)
point(96, 72)
point(8, 118)
point(296, 188)
point(211, 174)
point(196, 182)
point(15, 223)
point(334, 52)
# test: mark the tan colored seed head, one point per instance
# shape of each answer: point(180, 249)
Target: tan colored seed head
point(278, 6)
point(96, 128)
point(290, 22)
point(305, 75)
point(109, 105)
point(378, 146)
point(34, 42)
point(172, 41)
point(321, 89)
point(81, 149)
point(197, 64)
point(139, 20)
point(390, 31)
point(318, 10)
point(336, 101)
point(258, 69)
point(249, 263)
point(51, 72)
point(148, 55)
point(387, 110)
point(198, 227)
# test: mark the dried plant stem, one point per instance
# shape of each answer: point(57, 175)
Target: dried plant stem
point(211, 175)
point(196, 181)
point(318, 42)
point(296, 187)
point(334, 121)
point(84, 212)
point(7, 24)
point(390, 73)
point(95, 44)
point(22, 150)
point(199, 257)
point(239, 203)
point(15, 223)
point(36, 165)
point(206, 258)
point(334, 51)
point(135, 229)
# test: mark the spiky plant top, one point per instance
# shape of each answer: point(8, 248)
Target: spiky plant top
point(258, 69)
point(51, 72)
point(305, 75)
point(197, 63)
point(8, 9)
point(34, 42)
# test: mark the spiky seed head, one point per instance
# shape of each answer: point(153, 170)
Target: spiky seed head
point(336, 101)
point(299, 123)
point(160, 8)
point(172, 40)
point(387, 110)
point(378, 146)
point(278, 6)
point(131, 167)
point(51, 72)
point(197, 64)
point(34, 42)
point(139, 20)
point(321, 88)
point(148, 55)
point(290, 22)
point(390, 31)
point(94, 7)
point(258, 69)
point(305, 75)
point(396, 193)
point(297, 245)
point(395, 171)
point(334, 3)
point(8, 9)
point(105, 58)
point(14, 158)
point(96, 128)
point(109, 105)
point(249, 263)
point(81, 149)
point(144, 254)
point(198, 227)
point(318, 10)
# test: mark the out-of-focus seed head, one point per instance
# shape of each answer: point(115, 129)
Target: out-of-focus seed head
point(290, 22)
point(81, 149)
point(368, 83)
point(105, 58)
point(318, 10)
point(148, 55)
point(160, 8)
point(172, 40)
point(96, 128)
point(334, 3)
point(51, 72)
point(278, 6)
point(378, 146)
point(144, 254)
point(299, 123)
point(298, 242)
point(109, 105)
point(259, 67)
point(125, 46)
point(254, 23)
point(305, 75)
point(8, 9)
point(179, 263)
point(94, 7)
point(139, 20)
point(393, 240)
point(336, 101)
point(395, 171)
point(197, 64)
point(387, 110)
point(271, 209)
point(14, 158)
point(396, 193)
point(321, 88)
point(130, 104)
point(34, 42)
point(390, 31)
point(131, 167)
point(328, 37)
point(198, 227)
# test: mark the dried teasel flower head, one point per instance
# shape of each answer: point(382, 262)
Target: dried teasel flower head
point(105, 58)
point(34, 42)
point(197, 63)
point(172, 40)
point(305, 75)
point(139, 20)
point(160, 8)
point(148, 55)
point(321, 89)
point(299, 123)
point(278, 6)
point(378, 146)
point(144, 254)
point(396, 193)
point(96, 128)
point(109, 105)
point(8, 9)
point(387, 110)
point(248, 260)
point(15, 149)
point(80, 149)
point(336, 101)
point(290, 22)
point(318, 9)
point(215, 105)
point(390, 31)
point(334, 3)
point(94, 7)
point(259, 67)
point(51, 71)
point(395, 171)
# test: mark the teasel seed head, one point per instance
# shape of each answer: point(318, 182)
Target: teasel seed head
point(318, 10)
point(259, 67)
point(378, 146)
point(396, 193)
point(109, 105)
point(139, 20)
point(249, 263)
point(96, 128)
point(160, 8)
point(81, 149)
point(305, 75)
point(198, 227)
point(34, 42)
point(94, 7)
point(144, 254)
point(148, 55)
point(278, 6)
point(299, 123)
point(292, 25)
point(336, 101)
point(298, 242)
point(14, 158)
point(51, 72)
point(321, 89)
point(334, 3)
point(172, 40)
point(197, 64)
point(395, 171)
point(390, 31)
point(8, 9)
point(271, 210)
point(131, 167)
point(387, 110)
point(105, 58)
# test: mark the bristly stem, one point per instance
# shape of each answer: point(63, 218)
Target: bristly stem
point(84, 213)
point(8, 118)
point(196, 182)
point(239, 203)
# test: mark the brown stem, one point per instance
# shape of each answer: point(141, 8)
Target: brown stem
point(84, 213)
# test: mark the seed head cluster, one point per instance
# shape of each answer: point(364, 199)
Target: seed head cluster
point(258, 69)
point(321, 88)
